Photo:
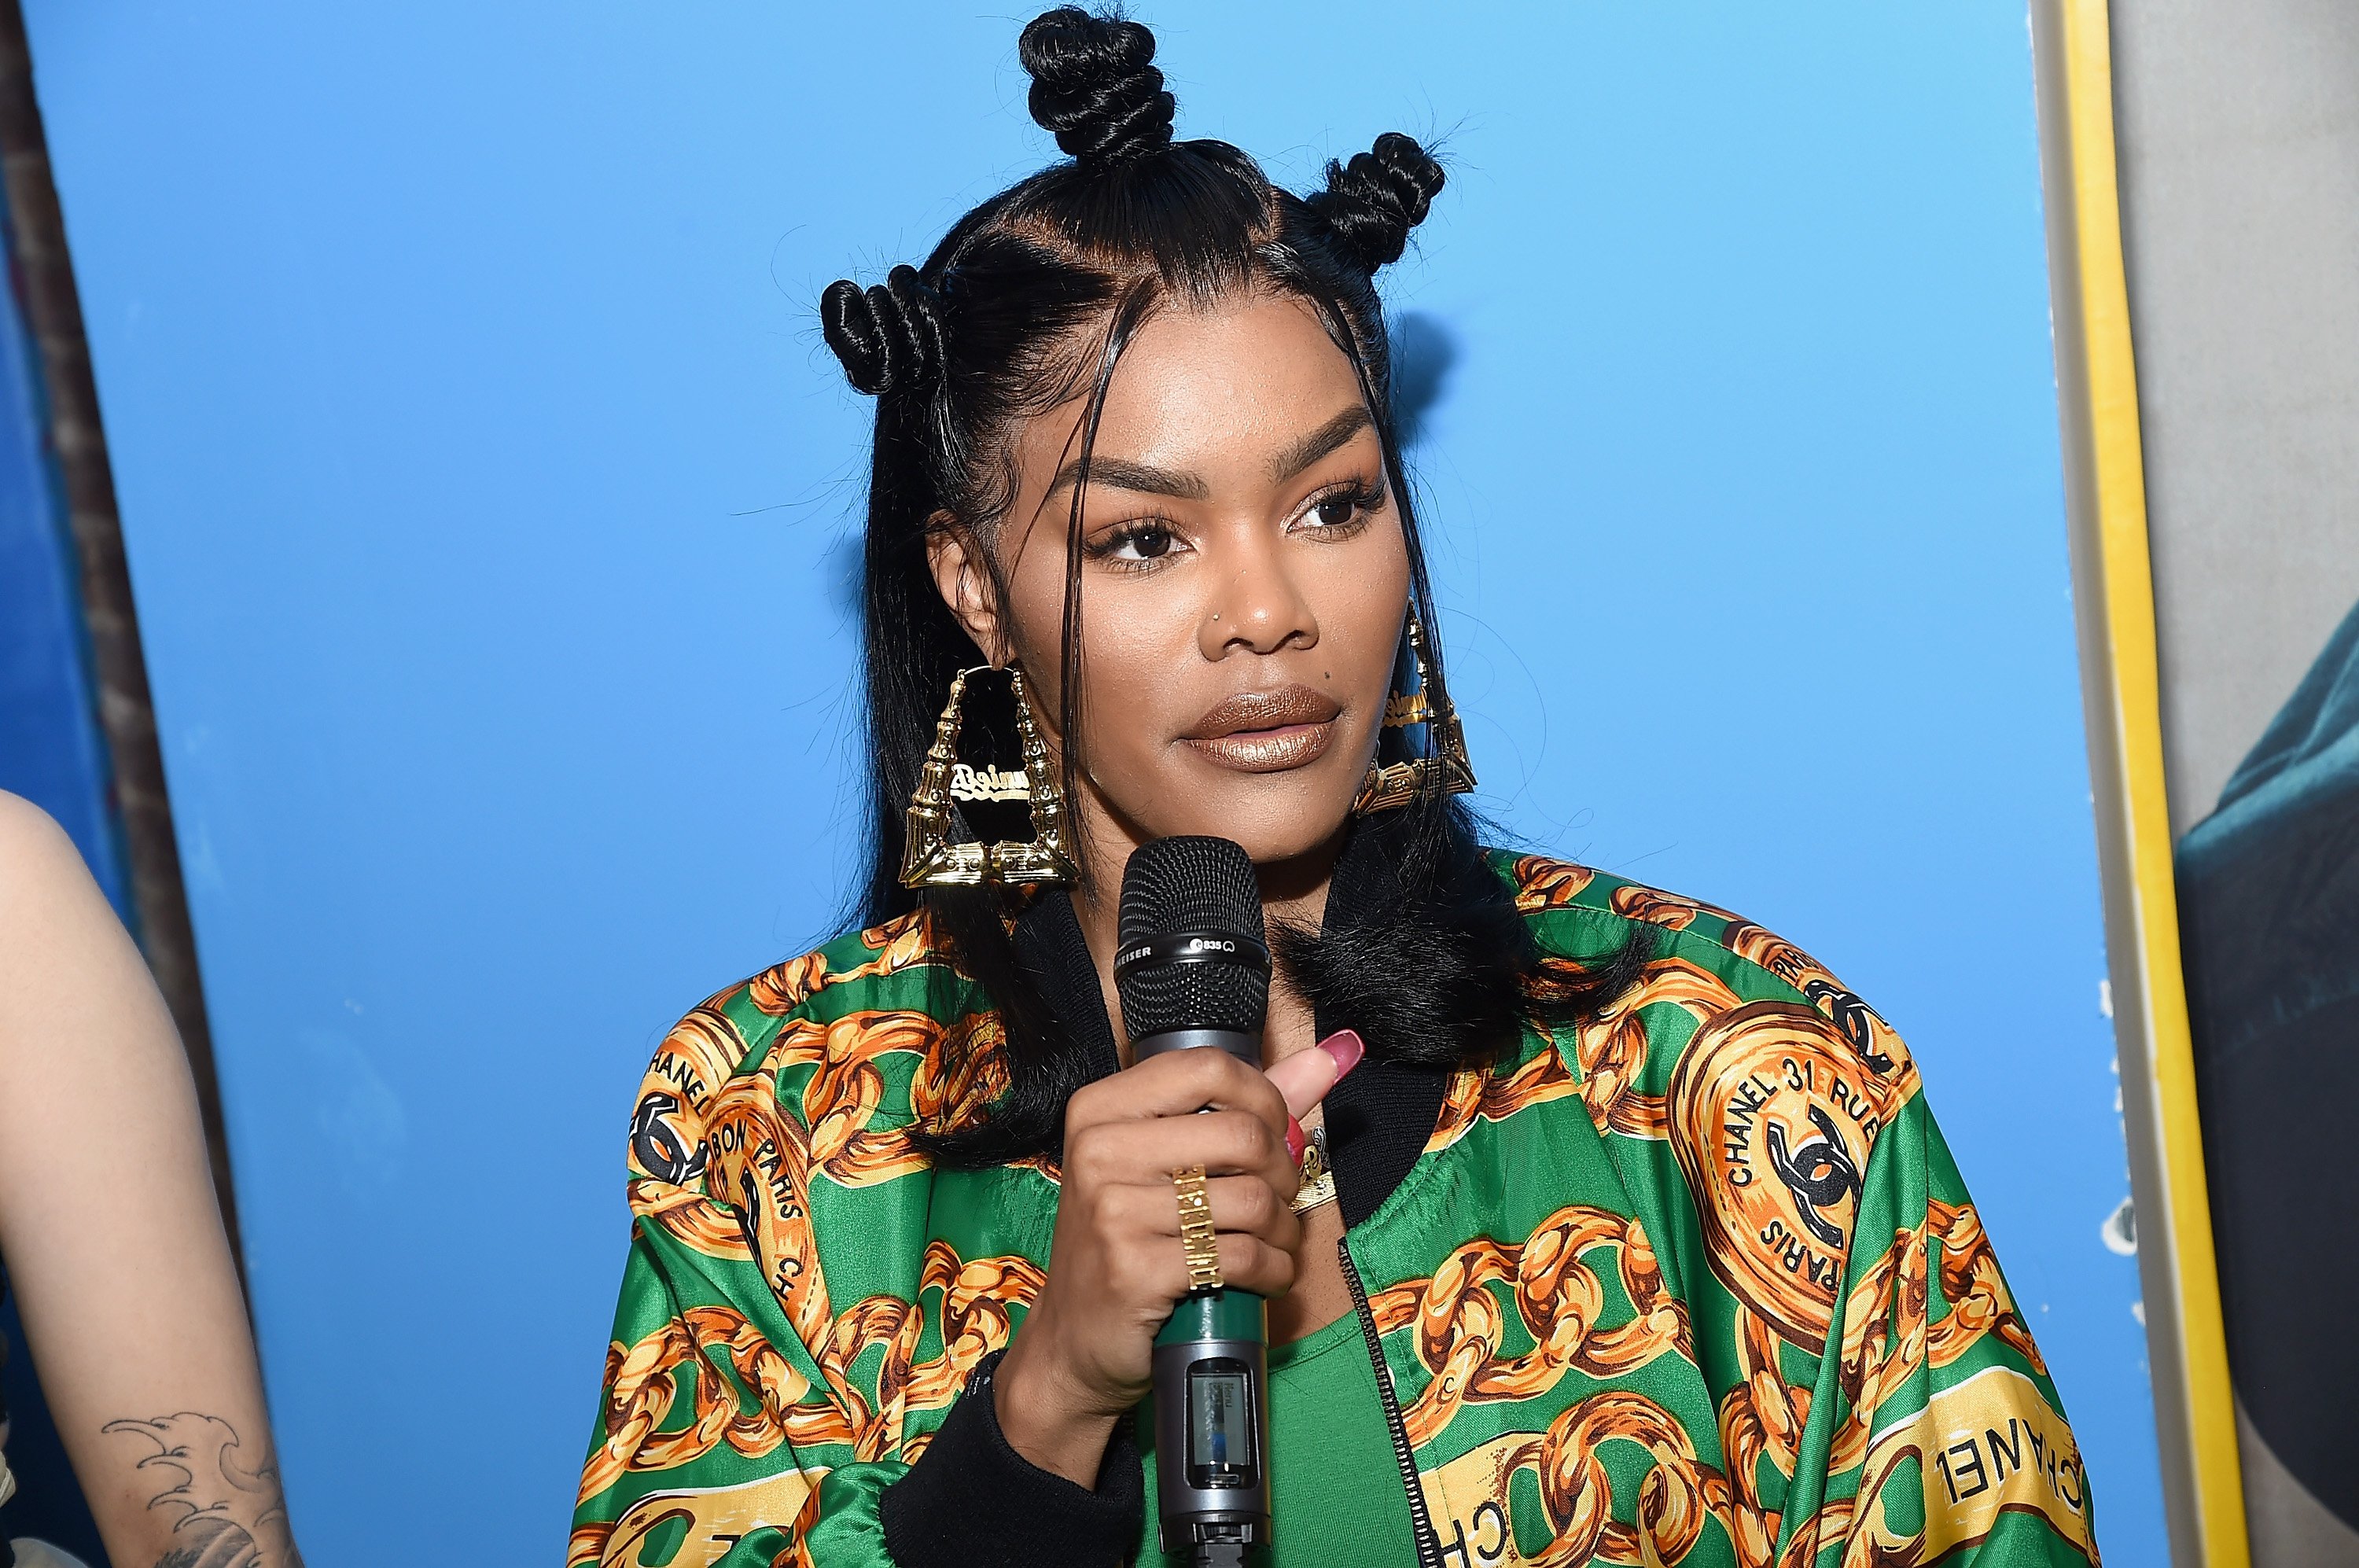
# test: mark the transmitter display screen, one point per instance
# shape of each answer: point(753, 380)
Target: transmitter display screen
point(1220, 1425)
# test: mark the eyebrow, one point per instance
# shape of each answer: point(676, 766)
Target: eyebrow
point(1328, 438)
point(1120, 474)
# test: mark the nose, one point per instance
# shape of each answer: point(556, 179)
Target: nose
point(1258, 606)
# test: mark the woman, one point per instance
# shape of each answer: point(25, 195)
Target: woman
point(1638, 1245)
point(112, 1236)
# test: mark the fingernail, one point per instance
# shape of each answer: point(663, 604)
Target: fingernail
point(1295, 1141)
point(1344, 1047)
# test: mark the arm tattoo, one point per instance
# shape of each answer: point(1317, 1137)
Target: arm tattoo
point(231, 1516)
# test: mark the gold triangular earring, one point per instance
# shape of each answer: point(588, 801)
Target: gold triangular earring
point(1444, 764)
point(929, 857)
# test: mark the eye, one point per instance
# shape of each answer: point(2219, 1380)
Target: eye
point(1138, 544)
point(1148, 541)
point(1334, 511)
point(1341, 511)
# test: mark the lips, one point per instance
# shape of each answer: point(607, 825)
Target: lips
point(1268, 732)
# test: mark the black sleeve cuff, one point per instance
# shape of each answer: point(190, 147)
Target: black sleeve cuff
point(971, 1501)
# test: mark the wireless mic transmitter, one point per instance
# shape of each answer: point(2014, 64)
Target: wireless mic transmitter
point(1192, 970)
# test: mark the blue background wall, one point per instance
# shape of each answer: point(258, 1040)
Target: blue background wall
point(487, 489)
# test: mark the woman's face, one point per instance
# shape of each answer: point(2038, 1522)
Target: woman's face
point(1243, 583)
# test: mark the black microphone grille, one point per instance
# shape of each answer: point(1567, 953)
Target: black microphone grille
point(1190, 884)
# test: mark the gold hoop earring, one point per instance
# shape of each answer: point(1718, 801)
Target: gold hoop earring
point(929, 858)
point(1441, 768)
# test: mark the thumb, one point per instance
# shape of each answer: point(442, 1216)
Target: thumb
point(1305, 1077)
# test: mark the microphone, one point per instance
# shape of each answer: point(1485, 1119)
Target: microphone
point(1192, 969)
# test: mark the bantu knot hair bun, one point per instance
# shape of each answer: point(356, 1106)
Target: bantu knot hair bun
point(1094, 84)
point(1373, 201)
point(888, 335)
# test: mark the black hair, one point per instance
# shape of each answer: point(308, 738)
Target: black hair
point(1028, 303)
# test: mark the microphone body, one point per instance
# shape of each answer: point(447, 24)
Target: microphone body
point(1193, 972)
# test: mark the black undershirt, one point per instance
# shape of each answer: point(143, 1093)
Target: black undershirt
point(1378, 1118)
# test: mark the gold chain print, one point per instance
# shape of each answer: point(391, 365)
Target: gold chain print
point(1571, 1394)
point(643, 1384)
point(1611, 1049)
point(1459, 1324)
point(1457, 1328)
point(644, 1380)
point(899, 944)
point(1545, 884)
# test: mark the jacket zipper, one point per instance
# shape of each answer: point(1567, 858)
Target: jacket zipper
point(1429, 1545)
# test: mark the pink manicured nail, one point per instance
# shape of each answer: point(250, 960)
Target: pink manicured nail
point(1294, 1140)
point(1344, 1046)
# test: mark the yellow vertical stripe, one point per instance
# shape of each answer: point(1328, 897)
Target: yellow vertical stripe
point(2116, 467)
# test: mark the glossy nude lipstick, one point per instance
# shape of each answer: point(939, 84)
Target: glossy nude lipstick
point(1268, 732)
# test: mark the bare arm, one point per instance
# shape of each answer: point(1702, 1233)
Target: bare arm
point(112, 1234)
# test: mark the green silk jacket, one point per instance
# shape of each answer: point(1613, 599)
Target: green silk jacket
point(1696, 1282)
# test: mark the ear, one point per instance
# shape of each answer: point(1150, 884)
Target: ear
point(964, 579)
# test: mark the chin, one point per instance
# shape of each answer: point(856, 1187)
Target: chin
point(1273, 817)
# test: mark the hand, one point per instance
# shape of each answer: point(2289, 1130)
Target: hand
point(1085, 1354)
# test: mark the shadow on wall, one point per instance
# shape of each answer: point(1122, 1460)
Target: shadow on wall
point(2268, 900)
point(1426, 351)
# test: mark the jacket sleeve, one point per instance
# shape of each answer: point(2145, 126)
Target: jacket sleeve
point(694, 1445)
point(748, 1417)
point(694, 1455)
point(1940, 1431)
point(972, 1501)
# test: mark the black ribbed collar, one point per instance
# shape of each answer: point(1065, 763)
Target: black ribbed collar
point(1377, 1119)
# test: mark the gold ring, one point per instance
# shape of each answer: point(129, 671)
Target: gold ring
point(1196, 1229)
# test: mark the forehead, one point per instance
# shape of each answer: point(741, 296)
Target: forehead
point(1214, 388)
